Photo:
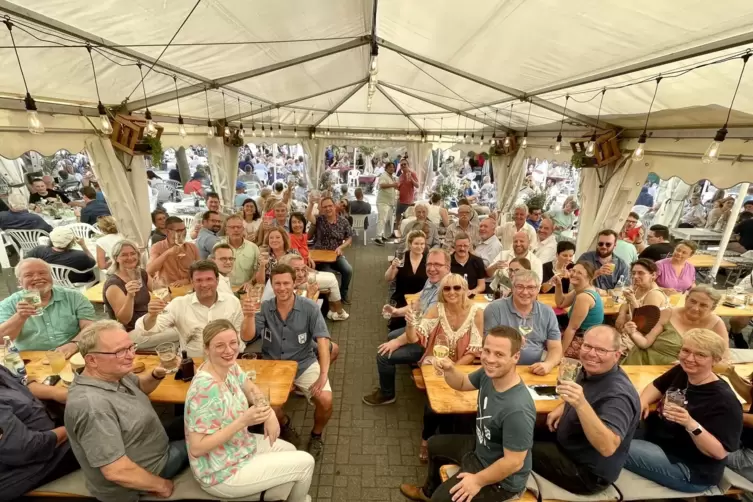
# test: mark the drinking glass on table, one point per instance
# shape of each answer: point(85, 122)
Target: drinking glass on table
point(168, 357)
point(568, 370)
point(250, 365)
point(441, 350)
point(57, 361)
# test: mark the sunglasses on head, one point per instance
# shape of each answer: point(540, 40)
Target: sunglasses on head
point(605, 244)
point(453, 288)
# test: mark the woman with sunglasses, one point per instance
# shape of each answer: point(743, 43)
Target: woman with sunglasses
point(698, 420)
point(675, 274)
point(586, 308)
point(461, 321)
point(251, 219)
point(662, 344)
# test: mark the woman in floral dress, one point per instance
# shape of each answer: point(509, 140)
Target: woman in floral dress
point(227, 460)
point(460, 320)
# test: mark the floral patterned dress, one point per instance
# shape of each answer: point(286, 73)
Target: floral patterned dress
point(210, 407)
point(464, 340)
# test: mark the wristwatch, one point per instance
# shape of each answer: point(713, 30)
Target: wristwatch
point(697, 430)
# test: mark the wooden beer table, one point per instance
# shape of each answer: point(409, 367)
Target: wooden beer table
point(707, 261)
point(279, 375)
point(444, 399)
point(323, 255)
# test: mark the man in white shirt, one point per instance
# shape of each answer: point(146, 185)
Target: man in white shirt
point(386, 200)
point(506, 231)
point(520, 249)
point(190, 314)
point(693, 214)
point(489, 247)
point(547, 248)
point(223, 256)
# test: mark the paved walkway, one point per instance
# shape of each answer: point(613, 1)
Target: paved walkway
point(368, 450)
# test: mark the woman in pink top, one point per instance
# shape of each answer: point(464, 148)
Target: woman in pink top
point(675, 274)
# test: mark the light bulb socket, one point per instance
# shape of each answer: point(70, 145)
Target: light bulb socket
point(31, 105)
point(559, 138)
point(180, 120)
point(101, 109)
point(525, 134)
point(593, 137)
point(642, 139)
point(148, 115)
point(721, 135)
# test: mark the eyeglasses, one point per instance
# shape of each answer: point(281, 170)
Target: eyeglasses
point(119, 354)
point(697, 355)
point(452, 288)
point(605, 244)
point(530, 289)
point(435, 265)
point(229, 259)
point(632, 221)
point(586, 348)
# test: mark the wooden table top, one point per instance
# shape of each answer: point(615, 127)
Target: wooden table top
point(444, 399)
point(323, 255)
point(675, 300)
point(95, 293)
point(707, 261)
point(279, 375)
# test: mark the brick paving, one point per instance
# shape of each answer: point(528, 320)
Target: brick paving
point(368, 450)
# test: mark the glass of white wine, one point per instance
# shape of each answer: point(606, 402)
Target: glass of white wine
point(180, 239)
point(418, 314)
point(526, 327)
point(161, 289)
point(262, 397)
point(441, 350)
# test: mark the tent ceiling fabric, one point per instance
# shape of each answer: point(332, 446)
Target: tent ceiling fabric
point(499, 41)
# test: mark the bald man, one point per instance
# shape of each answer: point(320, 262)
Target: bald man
point(521, 248)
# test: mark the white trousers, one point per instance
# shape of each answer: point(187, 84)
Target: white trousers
point(327, 280)
point(272, 465)
point(385, 214)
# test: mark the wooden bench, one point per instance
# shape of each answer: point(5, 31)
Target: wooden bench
point(447, 471)
point(418, 379)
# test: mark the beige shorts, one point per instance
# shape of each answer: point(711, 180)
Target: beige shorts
point(308, 378)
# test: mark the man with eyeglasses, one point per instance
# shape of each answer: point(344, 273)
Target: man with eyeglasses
point(463, 225)
point(609, 267)
point(534, 217)
point(223, 256)
point(115, 434)
point(588, 436)
point(467, 265)
point(170, 258)
point(246, 253)
point(211, 224)
point(396, 350)
point(542, 348)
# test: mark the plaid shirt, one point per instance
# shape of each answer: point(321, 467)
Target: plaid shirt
point(331, 235)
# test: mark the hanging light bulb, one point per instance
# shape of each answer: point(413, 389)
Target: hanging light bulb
point(241, 132)
point(712, 152)
point(295, 132)
point(640, 150)
point(226, 130)
point(32, 118)
point(524, 143)
point(591, 146)
point(558, 145)
point(210, 129)
point(506, 143)
point(181, 127)
point(104, 121)
point(151, 129)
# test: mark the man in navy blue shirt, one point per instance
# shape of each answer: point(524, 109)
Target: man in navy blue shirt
point(94, 208)
point(19, 217)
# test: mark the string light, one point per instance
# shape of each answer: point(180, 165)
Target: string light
point(271, 127)
point(181, 124)
point(151, 129)
point(712, 152)
point(423, 133)
point(457, 129)
point(465, 134)
point(295, 125)
point(481, 141)
point(241, 132)
point(494, 133)
point(253, 127)
point(524, 144)
point(558, 143)
point(441, 129)
point(226, 131)
point(473, 133)
point(591, 147)
point(506, 143)
point(210, 129)
point(279, 129)
point(640, 149)
point(32, 118)
point(104, 121)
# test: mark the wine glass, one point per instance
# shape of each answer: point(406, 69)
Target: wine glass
point(250, 365)
point(134, 274)
point(180, 239)
point(311, 279)
point(418, 314)
point(161, 289)
point(400, 256)
point(262, 397)
point(441, 350)
point(526, 327)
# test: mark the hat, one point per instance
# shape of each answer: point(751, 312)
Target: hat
point(61, 237)
point(197, 175)
point(239, 185)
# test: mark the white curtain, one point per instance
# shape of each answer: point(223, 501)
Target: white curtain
point(607, 206)
point(672, 193)
point(223, 165)
point(126, 201)
point(418, 156)
point(509, 173)
point(12, 172)
point(314, 149)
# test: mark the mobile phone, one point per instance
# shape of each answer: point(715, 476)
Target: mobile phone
point(51, 380)
point(545, 390)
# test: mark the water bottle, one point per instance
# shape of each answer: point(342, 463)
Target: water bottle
point(617, 291)
point(13, 360)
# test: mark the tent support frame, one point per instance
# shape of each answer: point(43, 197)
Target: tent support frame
point(339, 104)
point(396, 105)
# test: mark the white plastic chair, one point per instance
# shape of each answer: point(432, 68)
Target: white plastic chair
point(353, 175)
point(25, 240)
point(188, 219)
point(359, 223)
point(164, 192)
point(83, 230)
point(61, 277)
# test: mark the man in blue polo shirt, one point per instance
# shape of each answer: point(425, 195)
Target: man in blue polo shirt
point(288, 325)
point(19, 217)
point(397, 350)
point(609, 267)
point(534, 320)
point(94, 208)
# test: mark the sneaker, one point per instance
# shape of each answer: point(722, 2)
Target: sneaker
point(379, 241)
point(376, 398)
point(414, 492)
point(337, 316)
point(287, 433)
point(315, 447)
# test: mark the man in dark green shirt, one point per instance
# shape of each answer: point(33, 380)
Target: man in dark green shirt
point(496, 463)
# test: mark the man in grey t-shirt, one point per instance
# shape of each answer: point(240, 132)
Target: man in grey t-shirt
point(496, 463)
point(114, 431)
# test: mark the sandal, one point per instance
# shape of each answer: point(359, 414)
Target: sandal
point(423, 452)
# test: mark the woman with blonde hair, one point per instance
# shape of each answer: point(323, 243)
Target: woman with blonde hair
point(698, 420)
point(663, 343)
point(456, 318)
point(109, 227)
point(226, 459)
point(126, 291)
point(410, 277)
point(277, 245)
point(586, 308)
